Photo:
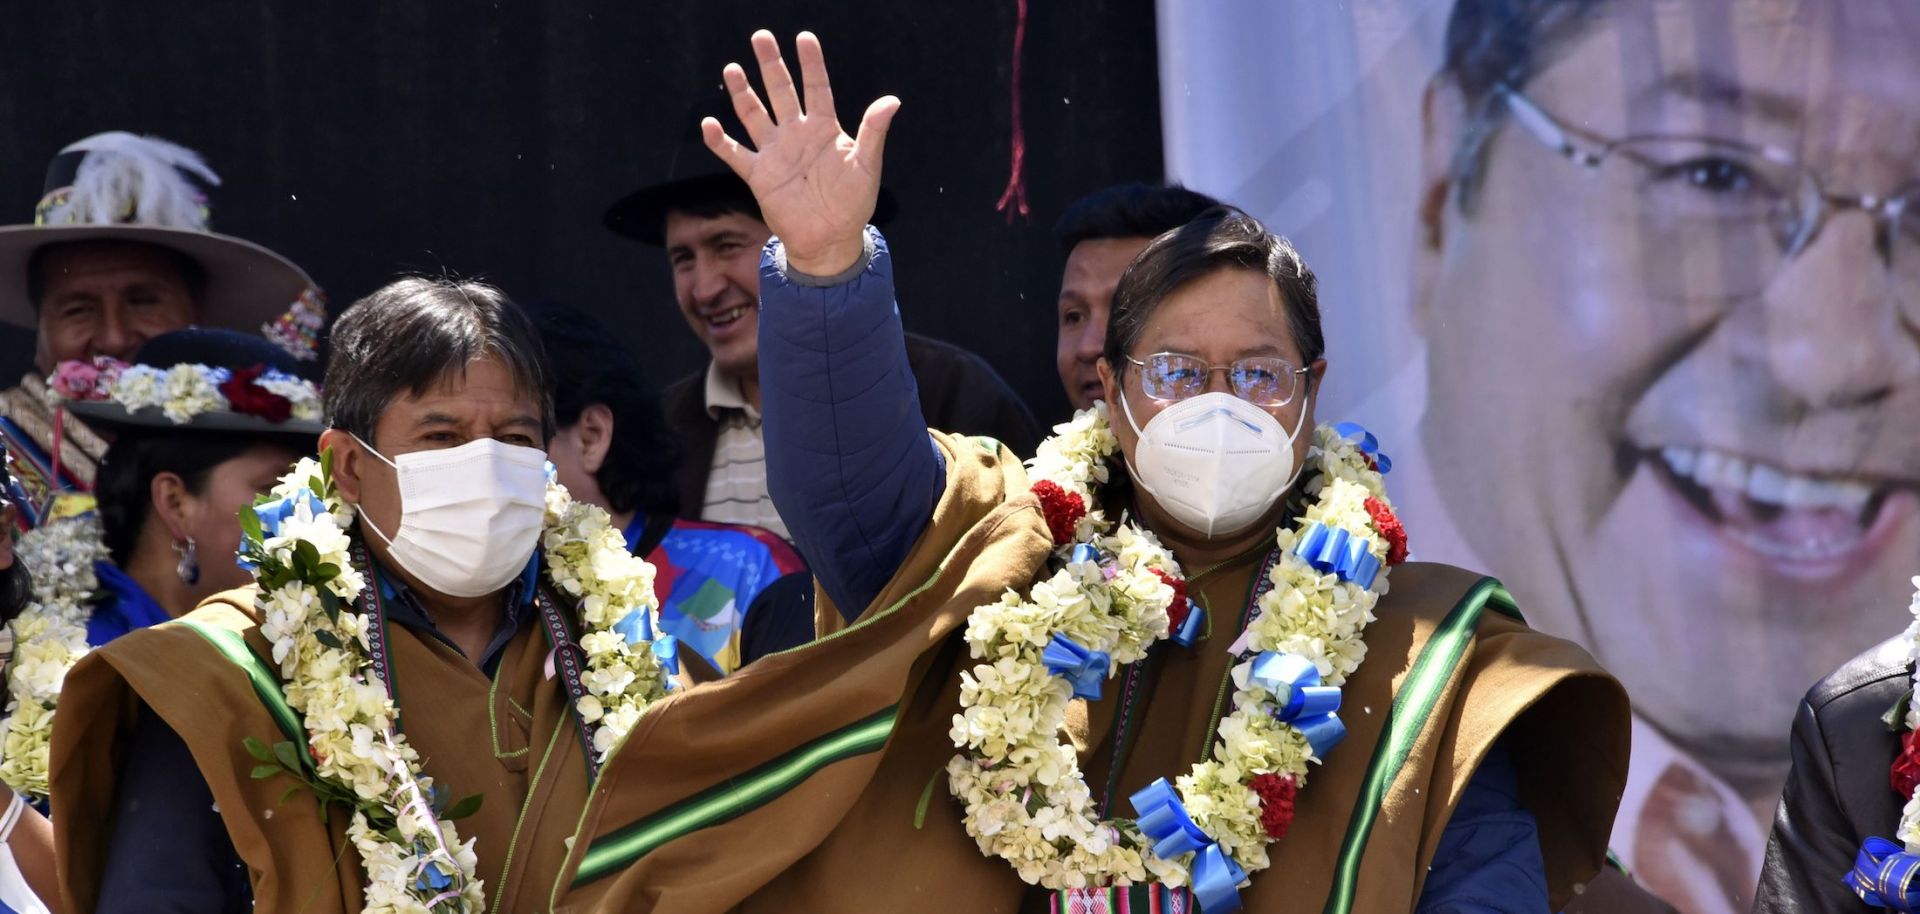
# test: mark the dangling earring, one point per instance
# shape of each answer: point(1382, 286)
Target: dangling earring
point(189, 567)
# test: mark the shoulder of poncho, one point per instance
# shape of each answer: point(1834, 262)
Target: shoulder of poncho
point(229, 609)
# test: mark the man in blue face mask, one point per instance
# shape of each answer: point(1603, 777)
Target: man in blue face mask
point(439, 417)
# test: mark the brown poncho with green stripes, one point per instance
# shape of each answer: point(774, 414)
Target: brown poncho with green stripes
point(812, 801)
point(810, 797)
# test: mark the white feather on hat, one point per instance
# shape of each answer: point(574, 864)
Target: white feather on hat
point(118, 186)
point(148, 174)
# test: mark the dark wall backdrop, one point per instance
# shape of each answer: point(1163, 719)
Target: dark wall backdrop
point(366, 139)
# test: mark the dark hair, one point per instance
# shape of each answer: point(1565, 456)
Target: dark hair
point(1492, 44)
point(16, 589)
point(1133, 210)
point(191, 272)
point(123, 487)
point(413, 333)
point(713, 199)
point(590, 366)
point(1223, 238)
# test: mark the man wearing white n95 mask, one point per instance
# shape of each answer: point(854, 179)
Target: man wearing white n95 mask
point(437, 403)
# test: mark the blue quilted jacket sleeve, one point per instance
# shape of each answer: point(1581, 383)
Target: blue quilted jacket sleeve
point(849, 463)
point(1489, 859)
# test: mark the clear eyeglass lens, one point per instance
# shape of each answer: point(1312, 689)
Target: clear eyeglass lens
point(1262, 381)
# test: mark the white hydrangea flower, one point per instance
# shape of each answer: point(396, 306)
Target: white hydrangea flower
point(50, 636)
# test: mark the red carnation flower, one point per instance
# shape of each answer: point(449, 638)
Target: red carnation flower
point(1276, 802)
point(1390, 529)
point(245, 395)
point(1906, 767)
point(1179, 609)
point(1063, 509)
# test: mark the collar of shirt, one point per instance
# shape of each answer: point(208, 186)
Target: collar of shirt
point(405, 608)
point(1718, 804)
point(723, 393)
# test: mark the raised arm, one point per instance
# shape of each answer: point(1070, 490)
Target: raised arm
point(849, 464)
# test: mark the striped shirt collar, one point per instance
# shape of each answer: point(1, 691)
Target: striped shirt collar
point(723, 393)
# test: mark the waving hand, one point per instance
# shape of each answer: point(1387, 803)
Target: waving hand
point(816, 186)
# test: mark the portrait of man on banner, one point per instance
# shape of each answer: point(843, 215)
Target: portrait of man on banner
point(1667, 267)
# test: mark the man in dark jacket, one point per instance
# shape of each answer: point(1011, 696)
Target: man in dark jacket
point(1839, 792)
point(711, 228)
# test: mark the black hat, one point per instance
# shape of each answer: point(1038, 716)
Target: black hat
point(696, 176)
point(242, 383)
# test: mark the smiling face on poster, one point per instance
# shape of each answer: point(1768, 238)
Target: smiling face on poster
point(1671, 301)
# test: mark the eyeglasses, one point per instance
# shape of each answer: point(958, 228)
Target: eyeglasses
point(1719, 218)
point(1261, 380)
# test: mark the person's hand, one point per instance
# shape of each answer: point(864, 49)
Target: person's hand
point(816, 186)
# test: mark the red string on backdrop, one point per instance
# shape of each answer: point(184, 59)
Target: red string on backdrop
point(1014, 199)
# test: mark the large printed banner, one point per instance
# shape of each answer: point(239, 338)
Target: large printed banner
point(1620, 286)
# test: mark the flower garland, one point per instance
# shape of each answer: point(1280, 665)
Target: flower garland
point(49, 637)
point(296, 539)
point(182, 392)
point(1884, 873)
point(1114, 592)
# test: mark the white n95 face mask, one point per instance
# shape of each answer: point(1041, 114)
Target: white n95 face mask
point(1215, 462)
point(470, 516)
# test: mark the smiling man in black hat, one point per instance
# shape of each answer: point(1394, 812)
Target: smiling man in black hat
point(707, 220)
point(119, 251)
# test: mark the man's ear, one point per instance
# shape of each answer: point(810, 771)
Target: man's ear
point(1442, 124)
point(347, 455)
point(595, 433)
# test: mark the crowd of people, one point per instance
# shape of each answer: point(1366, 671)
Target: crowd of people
point(468, 618)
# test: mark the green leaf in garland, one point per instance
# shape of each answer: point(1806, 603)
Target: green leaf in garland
point(330, 604)
point(287, 754)
point(257, 749)
point(250, 529)
point(327, 638)
point(288, 795)
point(262, 772)
point(465, 807)
point(305, 559)
point(926, 799)
point(1896, 716)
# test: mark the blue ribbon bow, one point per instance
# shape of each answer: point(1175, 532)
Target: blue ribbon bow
point(637, 626)
point(1301, 700)
point(1333, 550)
point(1885, 875)
point(1081, 668)
point(433, 878)
point(274, 513)
point(1188, 634)
point(1083, 552)
point(1164, 820)
point(1366, 443)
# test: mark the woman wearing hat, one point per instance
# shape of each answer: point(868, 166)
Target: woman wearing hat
point(202, 422)
point(182, 466)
